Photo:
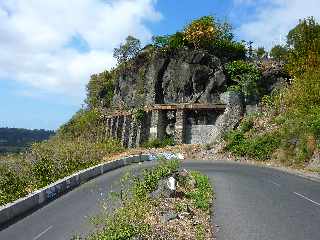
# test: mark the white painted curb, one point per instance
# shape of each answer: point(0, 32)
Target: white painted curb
point(35, 199)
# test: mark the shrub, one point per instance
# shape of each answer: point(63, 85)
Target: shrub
point(139, 115)
point(16, 180)
point(246, 75)
point(279, 53)
point(203, 193)
point(228, 49)
point(48, 162)
point(304, 45)
point(58, 158)
point(262, 147)
point(160, 143)
point(85, 124)
point(148, 183)
point(100, 90)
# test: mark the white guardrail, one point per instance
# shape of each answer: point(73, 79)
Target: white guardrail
point(38, 198)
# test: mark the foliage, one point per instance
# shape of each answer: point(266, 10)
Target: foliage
point(203, 193)
point(228, 49)
point(200, 232)
point(85, 124)
point(15, 180)
point(174, 41)
point(304, 47)
point(139, 115)
point(205, 33)
point(261, 52)
point(304, 91)
point(48, 162)
point(201, 32)
point(149, 181)
point(260, 147)
point(160, 143)
point(246, 75)
point(128, 50)
point(279, 53)
point(58, 158)
point(100, 90)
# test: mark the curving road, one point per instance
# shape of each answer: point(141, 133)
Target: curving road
point(252, 203)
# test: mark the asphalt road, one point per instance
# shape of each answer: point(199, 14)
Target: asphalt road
point(251, 203)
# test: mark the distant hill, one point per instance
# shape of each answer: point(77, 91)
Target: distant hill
point(13, 140)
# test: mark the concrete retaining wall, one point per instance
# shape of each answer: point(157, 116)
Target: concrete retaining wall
point(198, 134)
point(34, 200)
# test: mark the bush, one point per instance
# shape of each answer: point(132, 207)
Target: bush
point(260, 147)
point(58, 158)
point(159, 143)
point(100, 90)
point(85, 124)
point(279, 53)
point(228, 50)
point(48, 162)
point(304, 45)
point(16, 180)
point(246, 75)
point(203, 193)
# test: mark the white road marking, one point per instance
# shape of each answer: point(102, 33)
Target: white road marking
point(274, 183)
point(306, 198)
point(42, 233)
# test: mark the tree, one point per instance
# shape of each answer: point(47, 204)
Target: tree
point(100, 90)
point(261, 52)
point(304, 46)
point(201, 32)
point(250, 49)
point(279, 53)
point(128, 50)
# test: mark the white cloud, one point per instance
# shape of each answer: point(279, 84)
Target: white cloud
point(273, 19)
point(35, 37)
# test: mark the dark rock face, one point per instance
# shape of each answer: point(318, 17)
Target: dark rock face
point(185, 76)
point(274, 77)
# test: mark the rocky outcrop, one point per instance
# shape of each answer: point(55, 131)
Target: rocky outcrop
point(182, 76)
point(274, 76)
point(231, 116)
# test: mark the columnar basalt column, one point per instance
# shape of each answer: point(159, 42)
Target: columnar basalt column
point(157, 128)
point(119, 127)
point(133, 134)
point(179, 128)
point(114, 123)
point(139, 138)
point(126, 130)
point(108, 128)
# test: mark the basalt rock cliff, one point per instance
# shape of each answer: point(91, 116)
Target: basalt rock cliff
point(180, 76)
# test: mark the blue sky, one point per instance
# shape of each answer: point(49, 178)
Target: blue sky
point(49, 48)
